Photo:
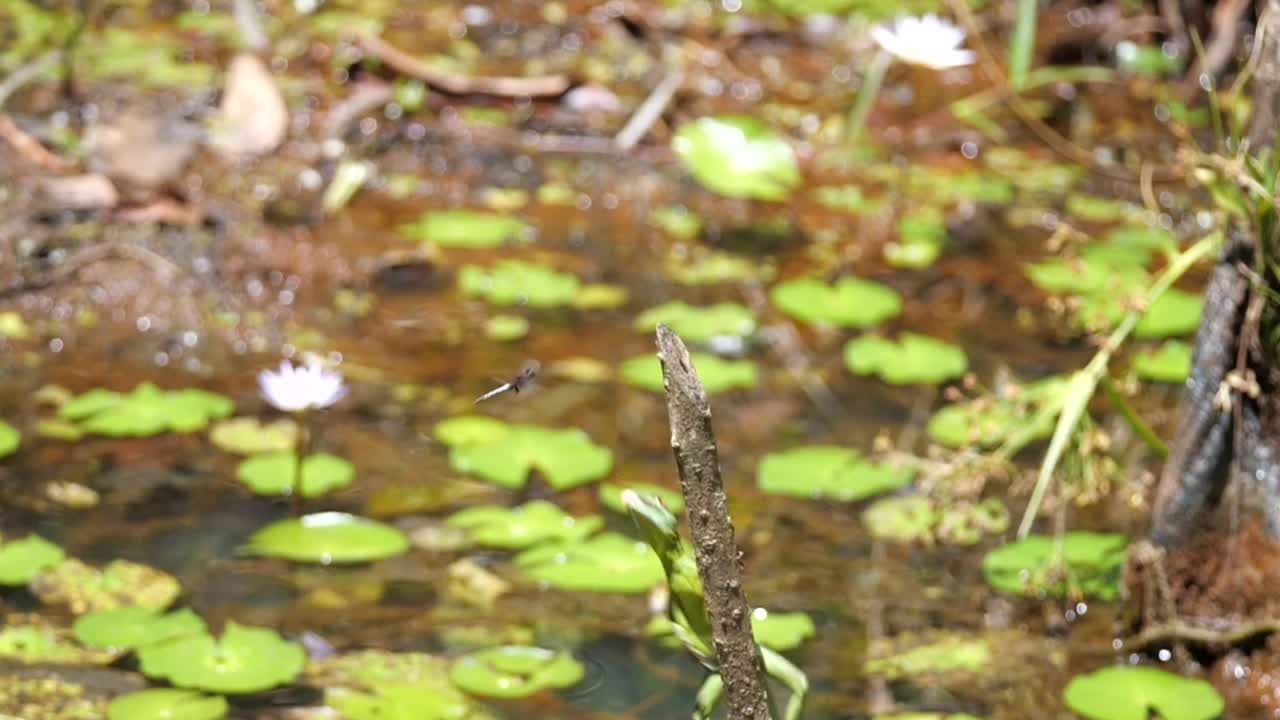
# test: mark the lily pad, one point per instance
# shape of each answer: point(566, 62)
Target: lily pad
point(167, 704)
point(83, 588)
point(251, 436)
point(22, 560)
point(737, 156)
point(521, 527)
point(717, 374)
point(129, 627)
point(1175, 313)
point(913, 359)
point(828, 471)
point(851, 302)
point(1133, 693)
point(781, 631)
point(990, 420)
point(273, 473)
point(328, 537)
point(505, 328)
point(464, 229)
point(946, 653)
point(515, 282)
point(847, 198)
point(922, 235)
point(901, 519)
point(1090, 563)
point(676, 221)
point(30, 640)
point(600, 296)
point(611, 496)
point(381, 685)
point(607, 562)
point(1171, 362)
point(506, 454)
point(515, 671)
point(245, 659)
point(700, 266)
point(699, 324)
point(9, 439)
point(145, 411)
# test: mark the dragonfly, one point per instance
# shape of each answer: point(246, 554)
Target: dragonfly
point(521, 381)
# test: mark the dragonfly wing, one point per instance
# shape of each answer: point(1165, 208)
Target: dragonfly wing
point(494, 392)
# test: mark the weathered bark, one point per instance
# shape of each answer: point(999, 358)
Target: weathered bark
point(716, 549)
point(1266, 78)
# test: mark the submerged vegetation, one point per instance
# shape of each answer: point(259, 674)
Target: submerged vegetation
point(941, 267)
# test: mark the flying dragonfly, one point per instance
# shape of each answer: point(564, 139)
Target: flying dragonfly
point(520, 382)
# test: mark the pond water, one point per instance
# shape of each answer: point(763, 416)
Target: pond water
point(274, 275)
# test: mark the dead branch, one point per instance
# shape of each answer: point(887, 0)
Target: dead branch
point(715, 548)
point(403, 62)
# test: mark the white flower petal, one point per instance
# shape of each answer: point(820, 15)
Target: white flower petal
point(928, 41)
point(297, 388)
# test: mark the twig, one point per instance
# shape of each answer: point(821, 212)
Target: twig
point(716, 550)
point(403, 62)
point(650, 110)
point(28, 147)
point(26, 73)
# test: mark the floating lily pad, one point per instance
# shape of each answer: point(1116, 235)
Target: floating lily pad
point(781, 631)
point(515, 671)
point(600, 296)
point(708, 267)
point(167, 704)
point(827, 471)
point(1174, 313)
point(988, 421)
point(381, 685)
point(145, 411)
point(607, 562)
point(677, 222)
point(611, 496)
point(1134, 693)
point(913, 359)
point(328, 537)
point(1089, 563)
point(943, 653)
point(737, 156)
point(506, 454)
point(129, 627)
point(847, 198)
point(699, 324)
point(244, 660)
point(851, 302)
point(464, 229)
point(919, 519)
point(717, 374)
point(22, 560)
point(251, 436)
point(922, 235)
point(901, 519)
point(9, 439)
point(273, 473)
point(515, 282)
point(521, 527)
point(83, 588)
point(30, 640)
point(1171, 362)
point(505, 328)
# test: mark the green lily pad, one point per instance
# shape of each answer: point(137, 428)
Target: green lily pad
point(1089, 275)
point(30, 640)
point(847, 198)
point(381, 685)
point(401, 701)
point(245, 659)
point(1133, 693)
point(167, 704)
point(699, 324)
point(717, 374)
point(273, 473)
point(145, 411)
point(521, 527)
point(988, 421)
point(22, 560)
point(709, 267)
point(515, 671)
point(737, 156)
point(919, 519)
point(328, 537)
point(515, 282)
point(827, 471)
point(944, 653)
point(851, 302)
point(1171, 362)
point(9, 439)
point(676, 221)
point(913, 359)
point(922, 235)
point(464, 229)
point(1175, 313)
point(781, 631)
point(1090, 564)
point(607, 562)
point(901, 519)
point(129, 627)
point(611, 496)
point(505, 328)
point(506, 454)
point(84, 588)
point(600, 296)
point(251, 436)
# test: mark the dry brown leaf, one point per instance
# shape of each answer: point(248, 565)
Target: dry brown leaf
point(252, 118)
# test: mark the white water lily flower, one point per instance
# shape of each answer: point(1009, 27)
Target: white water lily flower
point(928, 41)
point(304, 387)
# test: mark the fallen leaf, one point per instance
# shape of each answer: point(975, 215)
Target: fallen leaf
point(252, 118)
point(79, 192)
